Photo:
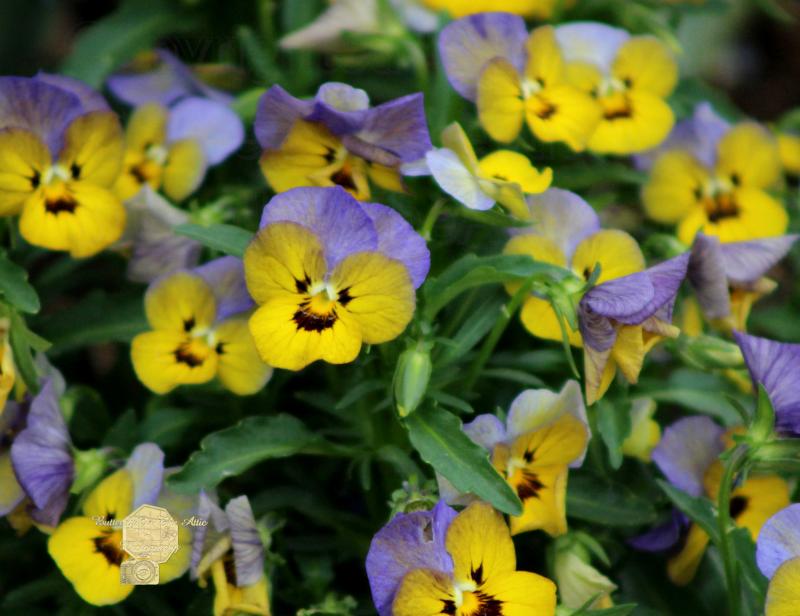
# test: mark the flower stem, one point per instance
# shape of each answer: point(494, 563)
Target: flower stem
point(433, 215)
point(732, 467)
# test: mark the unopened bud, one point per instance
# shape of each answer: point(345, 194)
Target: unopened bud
point(411, 379)
point(89, 467)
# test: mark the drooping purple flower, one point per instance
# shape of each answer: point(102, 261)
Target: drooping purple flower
point(165, 79)
point(410, 541)
point(779, 540)
point(41, 457)
point(775, 365)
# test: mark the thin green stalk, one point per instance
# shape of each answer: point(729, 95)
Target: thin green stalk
point(732, 467)
point(430, 220)
point(493, 338)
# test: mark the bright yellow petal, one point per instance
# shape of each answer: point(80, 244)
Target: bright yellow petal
point(147, 127)
point(181, 303)
point(284, 342)
point(539, 318)
point(387, 178)
point(382, 297)
point(111, 498)
point(789, 149)
point(73, 547)
point(676, 182)
point(178, 563)
point(645, 63)
point(628, 351)
point(522, 594)
point(563, 113)
point(423, 592)
point(137, 170)
point(545, 61)
point(500, 105)
point(81, 218)
point(165, 359)
point(184, 169)
point(597, 382)
point(23, 160)
point(480, 544)
point(748, 155)
point(11, 492)
point(632, 121)
point(583, 75)
point(239, 368)
point(555, 445)
point(616, 251)
point(682, 568)
point(508, 166)
point(760, 497)
point(282, 258)
point(783, 595)
point(93, 148)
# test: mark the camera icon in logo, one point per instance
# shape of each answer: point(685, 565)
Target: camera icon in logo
point(138, 572)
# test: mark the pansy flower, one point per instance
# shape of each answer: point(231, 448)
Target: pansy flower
point(501, 177)
point(199, 331)
point(8, 373)
point(154, 248)
point(729, 277)
point(629, 77)
point(170, 148)
point(514, 78)
point(88, 548)
point(776, 366)
point(778, 557)
point(688, 456)
point(714, 179)
point(337, 139)
point(328, 274)
point(158, 76)
point(60, 154)
point(36, 465)
point(565, 231)
point(545, 434)
point(435, 562)
point(531, 9)
point(229, 550)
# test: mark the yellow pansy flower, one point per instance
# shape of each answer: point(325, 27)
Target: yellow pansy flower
point(537, 9)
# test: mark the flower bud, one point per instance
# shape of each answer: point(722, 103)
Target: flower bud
point(577, 580)
point(708, 352)
point(89, 467)
point(411, 379)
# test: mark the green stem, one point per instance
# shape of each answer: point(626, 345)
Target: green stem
point(430, 220)
point(732, 467)
point(494, 336)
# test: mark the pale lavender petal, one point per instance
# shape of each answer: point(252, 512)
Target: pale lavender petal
point(592, 42)
point(399, 127)
point(457, 180)
point(248, 551)
point(485, 430)
point(708, 278)
point(38, 107)
point(204, 537)
point(562, 217)
point(276, 115)
point(746, 262)
point(340, 107)
point(90, 99)
point(146, 467)
point(776, 365)
point(398, 239)
point(779, 540)
point(468, 44)
point(410, 541)
point(416, 16)
point(225, 276)
point(332, 214)
point(41, 456)
point(661, 537)
point(687, 449)
point(214, 125)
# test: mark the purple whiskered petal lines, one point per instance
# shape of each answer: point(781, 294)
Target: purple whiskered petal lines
point(248, 551)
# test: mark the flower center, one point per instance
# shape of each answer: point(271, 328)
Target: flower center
point(156, 153)
point(109, 544)
point(717, 198)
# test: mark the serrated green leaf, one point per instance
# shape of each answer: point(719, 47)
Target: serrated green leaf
point(14, 287)
point(233, 450)
point(437, 435)
point(226, 238)
point(614, 425)
point(700, 510)
point(594, 499)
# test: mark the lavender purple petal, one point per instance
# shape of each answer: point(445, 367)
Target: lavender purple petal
point(90, 99)
point(248, 551)
point(214, 125)
point(146, 467)
point(779, 540)
point(340, 107)
point(661, 537)
point(225, 276)
point(399, 127)
point(276, 115)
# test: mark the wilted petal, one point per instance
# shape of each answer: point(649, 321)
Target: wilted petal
point(591, 42)
point(468, 44)
point(399, 240)
point(214, 125)
point(146, 467)
point(687, 448)
point(41, 457)
point(410, 541)
point(277, 112)
point(248, 551)
point(90, 99)
point(325, 32)
point(225, 276)
point(779, 540)
point(707, 276)
point(776, 365)
point(331, 214)
point(399, 127)
point(340, 107)
point(457, 180)
point(746, 262)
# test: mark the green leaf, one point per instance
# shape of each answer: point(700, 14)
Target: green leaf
point(15, 288)
point(593, 499)
point(472, 271)
point(764, 422)
point(226, 238)
point(699, 509)
point(480, 321)
point(710, 403)
point(437, 435)
point(614, 424)
point(110, 42)
point(233, 450)
point(21, 349)
point(618, 610)
point(744, 551)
